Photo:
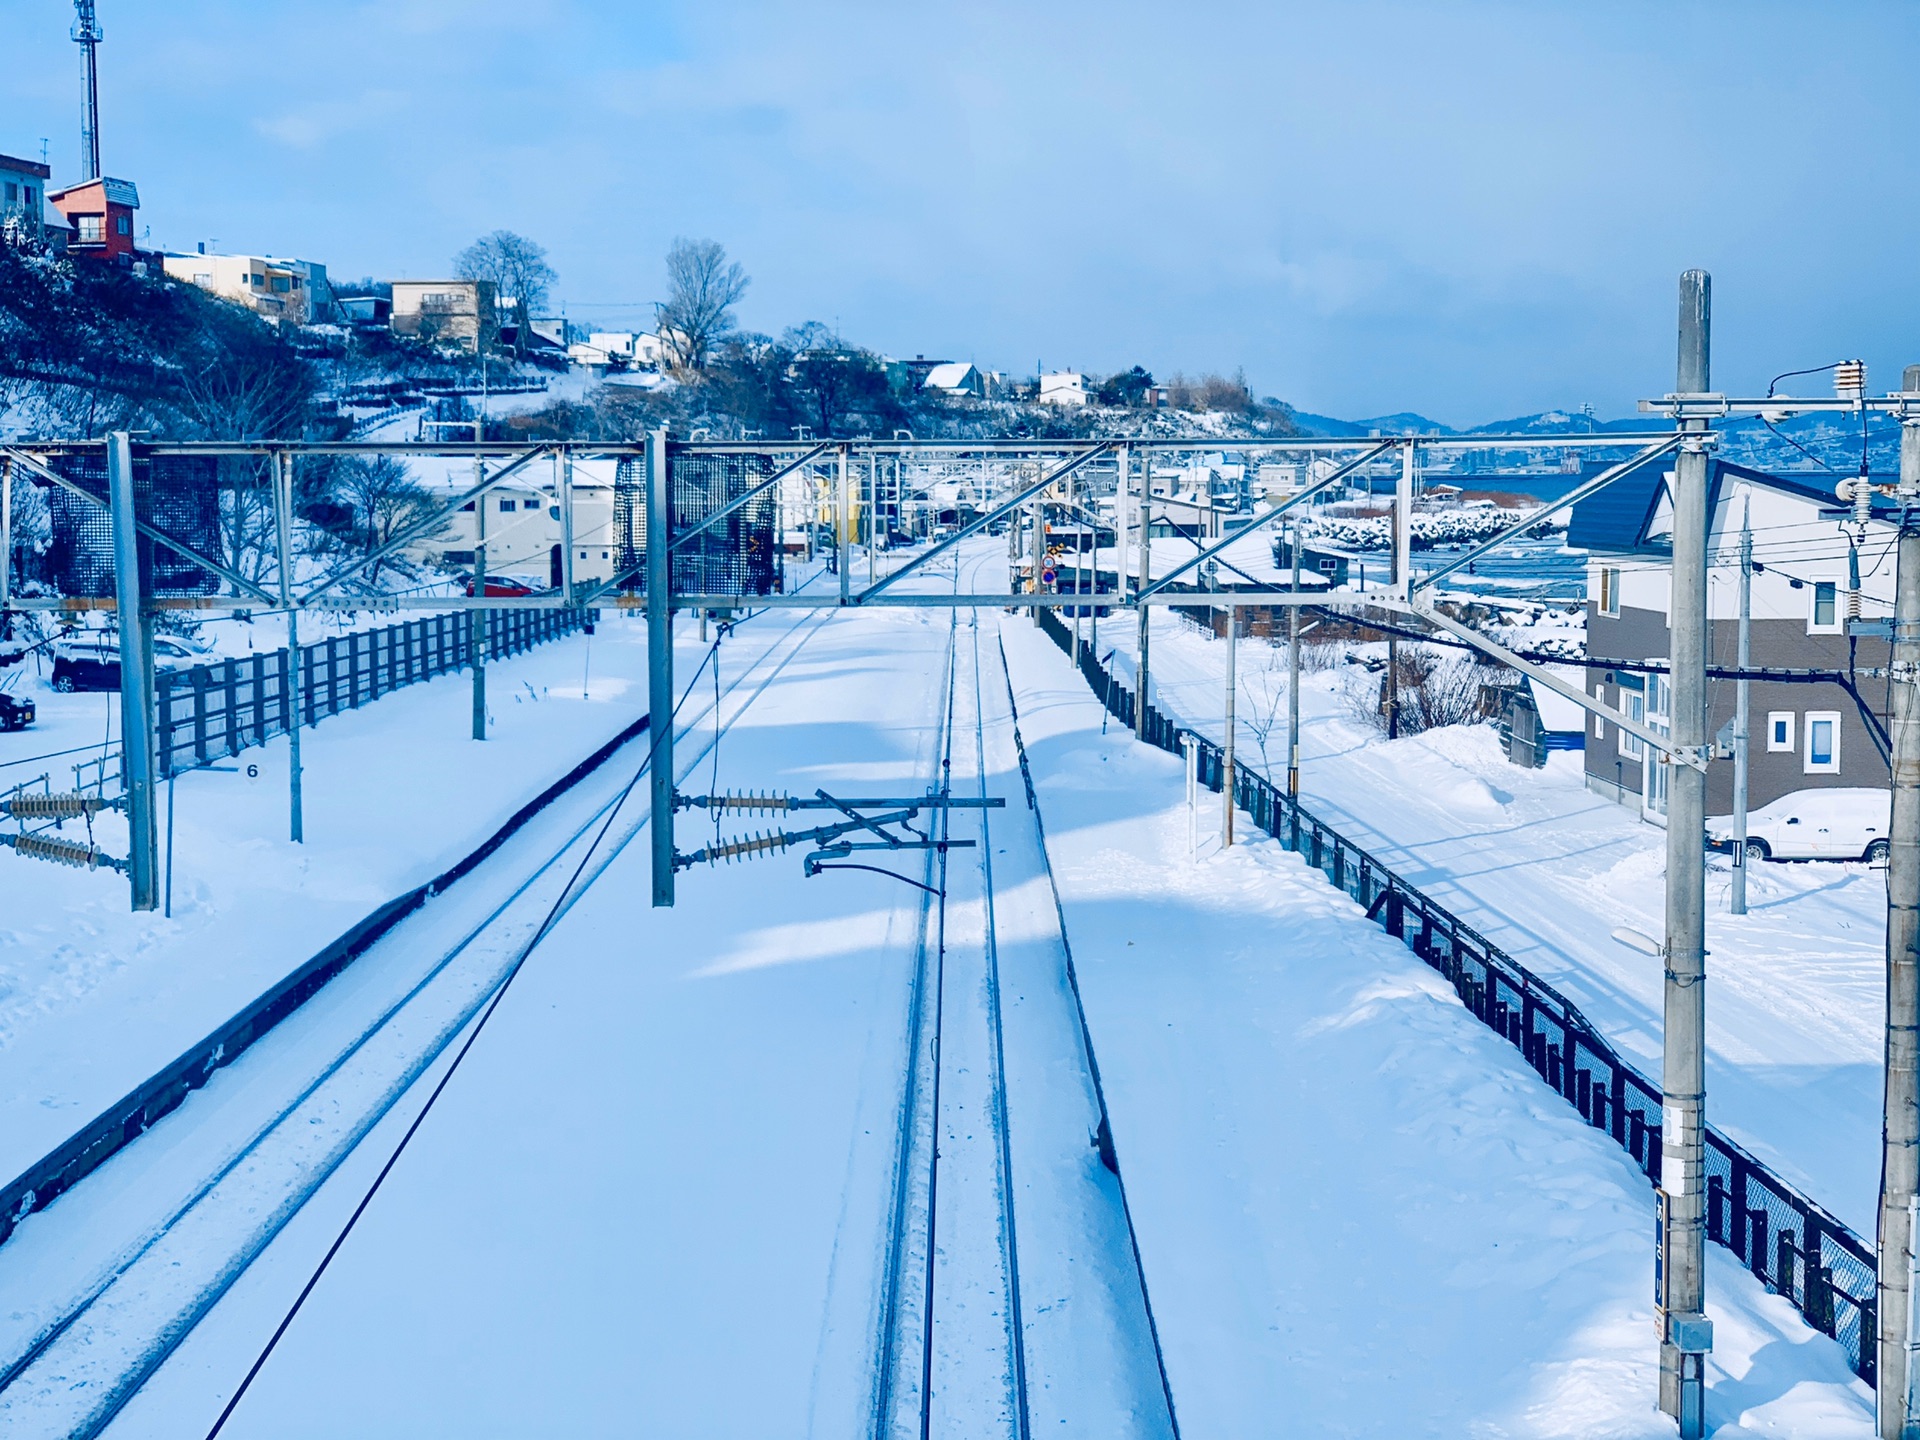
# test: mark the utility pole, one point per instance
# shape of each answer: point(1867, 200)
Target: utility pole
point(660, 656)
point(1686, 1335)
point(1900, 1150)
point(1037, 545)
point(1293, 672)
point(843, 521)
point(295, 697)
point(1226, 763)
point(477, 617)
point(136, 679)
point(1742, 716)
point(1143, 613)
point(1402, 580)
point(1079, 560)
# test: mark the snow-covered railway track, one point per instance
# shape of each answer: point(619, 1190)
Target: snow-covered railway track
point(1013, 1301)
point(192, 1204)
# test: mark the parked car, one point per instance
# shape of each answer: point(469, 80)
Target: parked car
point(15, 713)
point(91, 661)
point(1839, 823)
point(504, 587)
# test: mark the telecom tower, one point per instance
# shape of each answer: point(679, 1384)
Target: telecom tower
point(86, 33)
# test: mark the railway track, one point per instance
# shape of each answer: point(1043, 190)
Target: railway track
point(1013, 1302)
point(290, 1112)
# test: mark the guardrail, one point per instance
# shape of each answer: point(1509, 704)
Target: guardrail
point(1792, 1245)
point(213, 711)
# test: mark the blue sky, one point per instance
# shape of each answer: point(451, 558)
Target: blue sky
point(1474, 210)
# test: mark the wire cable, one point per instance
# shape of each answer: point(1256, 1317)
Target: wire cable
point(520, 960)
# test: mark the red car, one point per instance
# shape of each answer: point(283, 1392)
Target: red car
point(499, 587)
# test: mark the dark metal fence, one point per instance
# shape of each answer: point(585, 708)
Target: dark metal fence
point(1790, 1243)
point(213, 711)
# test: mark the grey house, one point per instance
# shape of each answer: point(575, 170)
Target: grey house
point(1809, 581)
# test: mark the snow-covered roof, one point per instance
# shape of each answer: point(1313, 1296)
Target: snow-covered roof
point(950, 376)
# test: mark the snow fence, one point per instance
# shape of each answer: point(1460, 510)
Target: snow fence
point(1793, 1246)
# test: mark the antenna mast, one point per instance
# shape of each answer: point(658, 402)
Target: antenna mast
point(86, 33)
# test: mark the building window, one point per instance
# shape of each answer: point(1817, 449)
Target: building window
point(92, 228)
point(13, 193)
point(1633, 704)
point(507, 507)
point(28, 197)
point(1599, 725)
point(466, 507)
point(1780, 730)
point(1824, 618)
point(1609, 591)
point(282, 284)
point(1823, 742)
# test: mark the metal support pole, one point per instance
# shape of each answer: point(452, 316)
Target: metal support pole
point(1226, 763)
point(1293, 674)
point(563, 483)
point(136, 679)
point(1686, 1335)
point(1037, 544)
point(1079, 560)
point(1403, 525)
point(843, 521)
point(1900, 1150)
point(873, 508)
point(1742, 713)
point(660, 655)
point(6, 533)
point(1145, 613)
point(293, 699)
point(477, 618)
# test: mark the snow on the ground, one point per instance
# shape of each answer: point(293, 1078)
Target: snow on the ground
point(1547, 870)
point(94, 998)
point(1360, 1214)
point(654, 1200)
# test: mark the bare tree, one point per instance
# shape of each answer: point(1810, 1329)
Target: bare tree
point(386, 501)
point(703, 286)
point(519, 271)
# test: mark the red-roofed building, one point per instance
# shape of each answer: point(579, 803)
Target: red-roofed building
point(101, 214)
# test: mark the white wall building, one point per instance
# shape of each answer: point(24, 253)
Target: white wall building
point(1063, 387)
point(293, 290)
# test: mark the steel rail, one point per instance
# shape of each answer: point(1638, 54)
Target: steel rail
point(156, 1354)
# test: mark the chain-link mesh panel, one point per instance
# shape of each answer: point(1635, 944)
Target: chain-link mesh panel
point(736, 557)
point(178, 495)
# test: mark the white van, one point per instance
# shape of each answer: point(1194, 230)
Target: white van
point(1828, 824)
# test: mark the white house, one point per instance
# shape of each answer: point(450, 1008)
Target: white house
point(956, 378)
point(523, 527)
point(1063, 387)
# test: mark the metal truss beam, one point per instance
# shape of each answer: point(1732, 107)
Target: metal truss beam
point(1275, 513)
point(1571, 498)
point(1000, 511)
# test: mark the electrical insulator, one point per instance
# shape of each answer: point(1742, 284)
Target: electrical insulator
point(61, 852)
point(1850, 379)
point(55, 807)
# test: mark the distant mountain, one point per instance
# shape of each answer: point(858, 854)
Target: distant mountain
point(1403, 423)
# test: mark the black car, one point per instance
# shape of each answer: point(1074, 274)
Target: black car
point(15, 714)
